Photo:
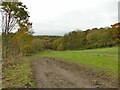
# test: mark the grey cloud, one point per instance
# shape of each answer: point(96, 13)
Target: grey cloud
point(101, 13)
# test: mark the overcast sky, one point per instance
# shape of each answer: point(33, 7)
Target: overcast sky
point(57, 17)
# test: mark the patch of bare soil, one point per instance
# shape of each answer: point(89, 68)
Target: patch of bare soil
point(51, 73)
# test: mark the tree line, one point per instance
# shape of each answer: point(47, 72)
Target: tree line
point(78, 39)
point(15, 43)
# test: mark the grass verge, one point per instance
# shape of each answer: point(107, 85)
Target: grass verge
point(18, 76)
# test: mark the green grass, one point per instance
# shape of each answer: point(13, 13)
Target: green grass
point(105, 59)
point(17, 76)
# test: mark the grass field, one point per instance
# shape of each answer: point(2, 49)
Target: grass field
point(105, 59)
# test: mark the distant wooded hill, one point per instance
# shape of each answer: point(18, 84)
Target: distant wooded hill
point(77, 40)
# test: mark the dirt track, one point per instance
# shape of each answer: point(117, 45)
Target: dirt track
point(51, 73)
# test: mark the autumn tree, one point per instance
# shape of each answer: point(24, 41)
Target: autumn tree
point(22, 41)
point(91, 38)
point(116, 32)
point(14, 15)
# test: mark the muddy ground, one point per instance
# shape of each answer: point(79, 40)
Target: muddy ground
point(52, 73)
